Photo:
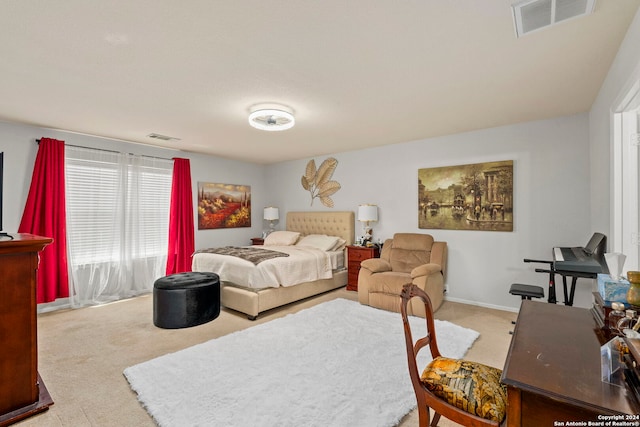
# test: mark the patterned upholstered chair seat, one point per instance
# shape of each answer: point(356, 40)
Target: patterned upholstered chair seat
point(470, 386)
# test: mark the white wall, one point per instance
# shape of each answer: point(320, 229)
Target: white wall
point(551, 183)
point(19, 147)
point(551, 192)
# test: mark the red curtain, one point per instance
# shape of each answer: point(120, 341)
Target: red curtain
point(45, 215)
point(181, 231)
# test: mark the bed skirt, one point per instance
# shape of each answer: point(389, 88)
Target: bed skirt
point(254, 301)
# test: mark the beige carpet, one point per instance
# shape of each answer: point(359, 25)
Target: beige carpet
point(82, 353)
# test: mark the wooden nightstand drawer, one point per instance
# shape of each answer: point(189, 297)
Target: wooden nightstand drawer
point(360, 254)
point(355, 255)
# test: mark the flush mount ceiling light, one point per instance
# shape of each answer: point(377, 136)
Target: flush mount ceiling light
point(271, 119)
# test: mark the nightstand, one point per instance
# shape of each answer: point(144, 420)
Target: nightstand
point(257, 241)
point(355, 255)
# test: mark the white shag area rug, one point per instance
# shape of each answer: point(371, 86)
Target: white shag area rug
point(339, 363)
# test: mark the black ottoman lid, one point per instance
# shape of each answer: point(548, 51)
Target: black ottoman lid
point(193, 279)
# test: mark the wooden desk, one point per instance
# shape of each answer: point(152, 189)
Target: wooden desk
point(552, 371)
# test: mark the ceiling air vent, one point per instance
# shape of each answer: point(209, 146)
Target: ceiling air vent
point(533, 15)
point(162, 137)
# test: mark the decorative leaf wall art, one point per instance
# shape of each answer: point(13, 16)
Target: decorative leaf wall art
point(318, 181)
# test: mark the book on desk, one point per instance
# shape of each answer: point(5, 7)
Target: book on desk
point(600, 311)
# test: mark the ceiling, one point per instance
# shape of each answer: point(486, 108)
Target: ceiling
point(357, 73)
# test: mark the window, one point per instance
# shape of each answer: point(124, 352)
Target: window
point(117, 222)
point(626, 198)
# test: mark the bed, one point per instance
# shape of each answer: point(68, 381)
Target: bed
point(254, 292)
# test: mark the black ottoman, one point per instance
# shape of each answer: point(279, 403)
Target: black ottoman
point(186, 299)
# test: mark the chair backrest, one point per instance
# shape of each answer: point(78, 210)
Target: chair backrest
point(410, 291)
point(409, 250)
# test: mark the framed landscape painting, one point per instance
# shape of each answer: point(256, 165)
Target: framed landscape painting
point(223, 205)
point(467, 197)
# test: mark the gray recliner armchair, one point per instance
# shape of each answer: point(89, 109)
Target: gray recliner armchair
point(407, 258)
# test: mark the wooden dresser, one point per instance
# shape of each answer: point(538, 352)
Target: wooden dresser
point(22, 392)
point(355, 255)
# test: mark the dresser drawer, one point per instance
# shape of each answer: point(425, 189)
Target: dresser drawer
point(360, 254)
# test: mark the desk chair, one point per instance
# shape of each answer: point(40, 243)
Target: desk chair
point(465, 392)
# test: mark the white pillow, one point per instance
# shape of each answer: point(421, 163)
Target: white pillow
point(318, 241)
point(281, 238)
point(340, 245)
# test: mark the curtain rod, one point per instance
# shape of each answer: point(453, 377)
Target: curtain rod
point(108, 151)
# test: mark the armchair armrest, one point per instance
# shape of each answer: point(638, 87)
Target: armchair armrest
point(375, 265)
point(439, 255)
point(425, 270)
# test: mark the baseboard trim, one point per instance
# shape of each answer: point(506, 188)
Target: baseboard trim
point(481, 304)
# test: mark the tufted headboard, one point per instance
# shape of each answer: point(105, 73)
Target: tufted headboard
point(339, 223)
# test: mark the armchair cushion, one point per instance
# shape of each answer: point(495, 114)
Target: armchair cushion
point(388, 283)
point(376, 265)
point(410, 250)
point(470, 386)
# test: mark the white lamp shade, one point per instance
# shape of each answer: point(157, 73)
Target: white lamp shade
point(271, 214)
point(367, 213)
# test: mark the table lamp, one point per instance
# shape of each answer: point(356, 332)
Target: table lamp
point(366, 214)
point(271, 214)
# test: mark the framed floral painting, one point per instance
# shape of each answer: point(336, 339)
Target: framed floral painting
point(223, 205)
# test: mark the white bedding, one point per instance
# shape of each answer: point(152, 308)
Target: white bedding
point(337, 259)
point(303, 264)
